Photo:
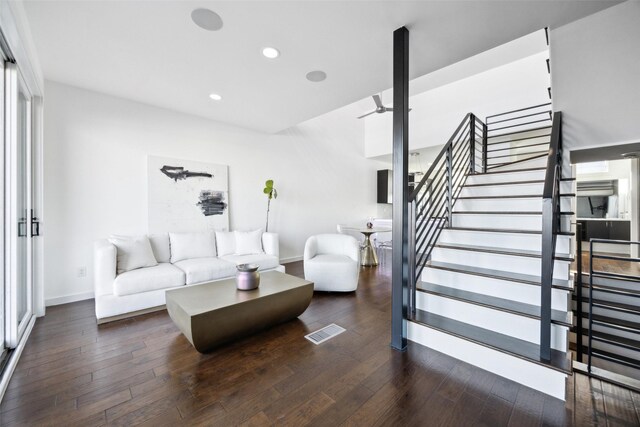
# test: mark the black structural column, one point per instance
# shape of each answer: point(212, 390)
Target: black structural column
point(400, 232)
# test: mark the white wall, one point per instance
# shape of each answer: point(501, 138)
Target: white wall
point(436, 113)
point(95, 175)
point(595, 64)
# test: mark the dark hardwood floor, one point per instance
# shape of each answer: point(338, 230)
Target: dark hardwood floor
point(142, 371)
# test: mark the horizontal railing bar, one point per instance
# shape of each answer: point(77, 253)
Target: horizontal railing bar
point(516, 154)
point(616, 258)
point(497, 165)
point(463, 124)
point(614, 359)
point(520, 109)
point(519, 124)
point(519, 117)
point(426, 239)
point(617, 242)
point(607, 275)
point(506, 141)
point(520, 131)
point(517, 147)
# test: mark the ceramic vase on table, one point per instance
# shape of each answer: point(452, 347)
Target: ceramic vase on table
point(247, 277)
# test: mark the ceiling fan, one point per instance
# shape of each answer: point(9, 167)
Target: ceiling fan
point(379, 107)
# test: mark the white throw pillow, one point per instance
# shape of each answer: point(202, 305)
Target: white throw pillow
point(160, 245)
point(248, 242)
point(132, 252)
point(226, 241)
point(192, 245)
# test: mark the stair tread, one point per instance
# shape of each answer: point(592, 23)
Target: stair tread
point(504, 343)
point(502, 304)
point(506, 230)
point(503, 251)
point(498, 274)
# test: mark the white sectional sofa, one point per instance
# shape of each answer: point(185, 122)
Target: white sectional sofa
point(141, 290)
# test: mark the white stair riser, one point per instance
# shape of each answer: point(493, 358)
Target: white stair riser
point(515, 264)
point(515, 222)
point(520, 292)
point(530, 204)
point(491, 178)
point(514, 368)
point(513, 325)
point(532, 163)
point(523, 241)
point(495, 137)
point(503, 190)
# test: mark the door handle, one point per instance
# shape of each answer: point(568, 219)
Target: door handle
point(22, 227)
point(35, 225)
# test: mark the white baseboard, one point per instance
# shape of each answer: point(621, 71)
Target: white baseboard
point(291, 259)
point(68, 298)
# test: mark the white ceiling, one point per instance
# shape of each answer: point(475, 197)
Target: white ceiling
point(150, 51)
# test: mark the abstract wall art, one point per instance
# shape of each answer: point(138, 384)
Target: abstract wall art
point(185, 195)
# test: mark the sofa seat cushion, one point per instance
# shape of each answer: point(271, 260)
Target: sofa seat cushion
point(206, 269)
point(266, 262)
point(161, 276)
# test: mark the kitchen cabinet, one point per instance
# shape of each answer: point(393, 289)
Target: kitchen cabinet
point(605, 229)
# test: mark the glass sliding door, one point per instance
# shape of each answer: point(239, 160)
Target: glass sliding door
point(19, 299)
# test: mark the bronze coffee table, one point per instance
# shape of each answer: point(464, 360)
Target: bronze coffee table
point(215, 313)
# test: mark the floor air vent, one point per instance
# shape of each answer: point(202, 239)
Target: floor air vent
point(328, 332)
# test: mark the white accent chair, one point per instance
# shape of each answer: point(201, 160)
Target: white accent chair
point(332, 262)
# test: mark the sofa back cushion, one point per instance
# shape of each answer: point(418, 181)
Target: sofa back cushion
point(132, 252)
point(226, 242)
point(192, 245)
point(248, 242)
point(160, 245)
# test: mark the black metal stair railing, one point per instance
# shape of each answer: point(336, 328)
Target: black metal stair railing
point(620, 284)
point(432, 200)
point(517, 148)
point(550, 229)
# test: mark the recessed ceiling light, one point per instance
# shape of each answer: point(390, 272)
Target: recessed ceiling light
point(316, 76)
point(270, 52)
point(207, 19)
point(215, 96)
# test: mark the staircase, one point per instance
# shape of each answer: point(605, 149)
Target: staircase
point(478, 264)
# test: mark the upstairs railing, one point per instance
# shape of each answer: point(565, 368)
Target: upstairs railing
point(621, 285)
point(517, 148)
point(550, 228)
point(431, 202)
